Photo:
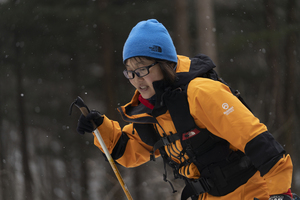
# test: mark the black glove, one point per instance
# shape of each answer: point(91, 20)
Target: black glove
point(85, 124)
point(280, 197)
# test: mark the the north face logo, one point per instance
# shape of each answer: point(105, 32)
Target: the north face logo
point(190, 134)
point(155, 48)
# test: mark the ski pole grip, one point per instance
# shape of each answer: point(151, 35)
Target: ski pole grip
point(84, 111)
point(79, 103)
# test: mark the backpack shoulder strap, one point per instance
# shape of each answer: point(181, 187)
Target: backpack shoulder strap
point(178, 107)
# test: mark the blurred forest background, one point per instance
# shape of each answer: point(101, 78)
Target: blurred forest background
point(52, 51)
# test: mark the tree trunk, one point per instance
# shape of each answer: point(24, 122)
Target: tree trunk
point(7, 173)
point(107, 60)
point(276, 117)
point(3, 173)
point(81, 155)
point(22, 123)
point(205, 24)
point(181, 36)
point(290, 82)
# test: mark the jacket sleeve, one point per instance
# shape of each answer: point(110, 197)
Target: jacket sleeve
point(214, 107)
point(124, 145)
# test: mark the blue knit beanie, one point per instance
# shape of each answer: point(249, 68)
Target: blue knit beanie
point(151, 39)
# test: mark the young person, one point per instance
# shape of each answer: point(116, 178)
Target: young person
point(180, 111)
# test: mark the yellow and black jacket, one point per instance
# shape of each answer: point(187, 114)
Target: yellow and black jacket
point(213, 107)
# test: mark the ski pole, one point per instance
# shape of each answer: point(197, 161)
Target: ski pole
point(85, 111)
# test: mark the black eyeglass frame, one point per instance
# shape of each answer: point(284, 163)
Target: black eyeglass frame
point(125, 72)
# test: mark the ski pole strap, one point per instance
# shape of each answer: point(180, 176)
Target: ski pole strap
point(194, 188)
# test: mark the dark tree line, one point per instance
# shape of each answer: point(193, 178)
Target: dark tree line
point(53, 51)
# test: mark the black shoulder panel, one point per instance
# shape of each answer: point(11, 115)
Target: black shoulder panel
point(178, 106)
point(119, 149)
point(146, 132)
point(264, 152)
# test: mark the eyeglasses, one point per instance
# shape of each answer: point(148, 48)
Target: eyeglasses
point(140, 72)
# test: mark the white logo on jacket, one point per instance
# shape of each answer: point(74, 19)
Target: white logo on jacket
point(225, 106)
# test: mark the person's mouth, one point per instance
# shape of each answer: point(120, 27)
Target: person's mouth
point(143, 88)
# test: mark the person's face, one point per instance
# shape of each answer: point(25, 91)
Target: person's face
point(144, 84)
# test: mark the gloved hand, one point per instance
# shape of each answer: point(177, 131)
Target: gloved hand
point(280, 197)
point(85, 124)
